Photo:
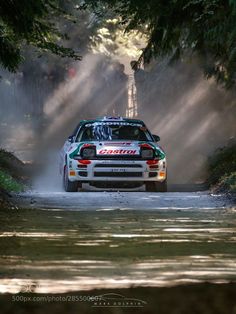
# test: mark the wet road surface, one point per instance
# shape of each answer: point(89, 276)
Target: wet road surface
point(66, 242)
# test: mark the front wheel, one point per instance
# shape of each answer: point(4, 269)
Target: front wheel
point(68, 185)
point(154, 186)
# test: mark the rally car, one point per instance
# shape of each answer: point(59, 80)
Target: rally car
point(111, 152)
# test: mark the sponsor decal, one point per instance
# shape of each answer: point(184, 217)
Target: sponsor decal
point(113, 123)
point(117, 152)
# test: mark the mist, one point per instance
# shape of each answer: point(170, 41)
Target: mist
point(192, 115)
point(98, 87)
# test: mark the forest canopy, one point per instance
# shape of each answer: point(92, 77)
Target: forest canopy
point(173, 28)
point(32, 22)
point(176, 27)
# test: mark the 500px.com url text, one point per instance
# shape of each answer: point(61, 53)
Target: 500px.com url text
point(48, 298)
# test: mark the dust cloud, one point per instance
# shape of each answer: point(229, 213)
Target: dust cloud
point(193, 116)
point(97, 87)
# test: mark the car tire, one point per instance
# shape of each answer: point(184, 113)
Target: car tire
point(68, 185)
point(154, 186)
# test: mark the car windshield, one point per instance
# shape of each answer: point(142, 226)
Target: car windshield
point(113, 132)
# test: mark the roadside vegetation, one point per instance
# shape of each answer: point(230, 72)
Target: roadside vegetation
point(222, 169)
point(12, 178)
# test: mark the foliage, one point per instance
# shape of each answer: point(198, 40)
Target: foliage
point(110, 39)
point(10, 172)
point(30, 22)
point(222, 168)
point(228, 183)
point(207, 27)
point(8, 183)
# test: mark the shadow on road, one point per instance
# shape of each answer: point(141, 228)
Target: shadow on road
point(59, 251)
point(195, 299)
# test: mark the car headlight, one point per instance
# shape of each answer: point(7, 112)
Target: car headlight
point(147, 153)
point(88, 153)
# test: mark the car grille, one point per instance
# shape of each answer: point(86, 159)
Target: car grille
point(118, 174)
point(117, 166)
point(115, 157)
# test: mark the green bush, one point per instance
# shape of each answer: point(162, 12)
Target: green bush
point(8, 183)
point(228, 183)
point(10, 172)
point(222, 168)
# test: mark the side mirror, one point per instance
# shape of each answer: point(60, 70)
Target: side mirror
point(70, 139)
point(156, 138)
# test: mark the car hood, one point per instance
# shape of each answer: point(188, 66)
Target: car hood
point(120, 148)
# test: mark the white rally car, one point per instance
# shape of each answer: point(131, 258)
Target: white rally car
point(112, 152)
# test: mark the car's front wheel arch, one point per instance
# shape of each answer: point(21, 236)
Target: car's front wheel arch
point(69, 186)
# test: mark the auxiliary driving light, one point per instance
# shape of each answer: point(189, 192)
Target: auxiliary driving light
point(88, 153)
point(147, 153)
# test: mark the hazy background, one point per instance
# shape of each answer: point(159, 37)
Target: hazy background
point(193, 116)
point(45, 100)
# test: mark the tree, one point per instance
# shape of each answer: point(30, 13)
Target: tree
point(31, 22)
point(174, 27)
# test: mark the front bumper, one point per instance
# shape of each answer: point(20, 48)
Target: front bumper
point(116, 170)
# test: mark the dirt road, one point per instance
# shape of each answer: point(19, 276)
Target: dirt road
point(66, 242)
point(122, 200)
